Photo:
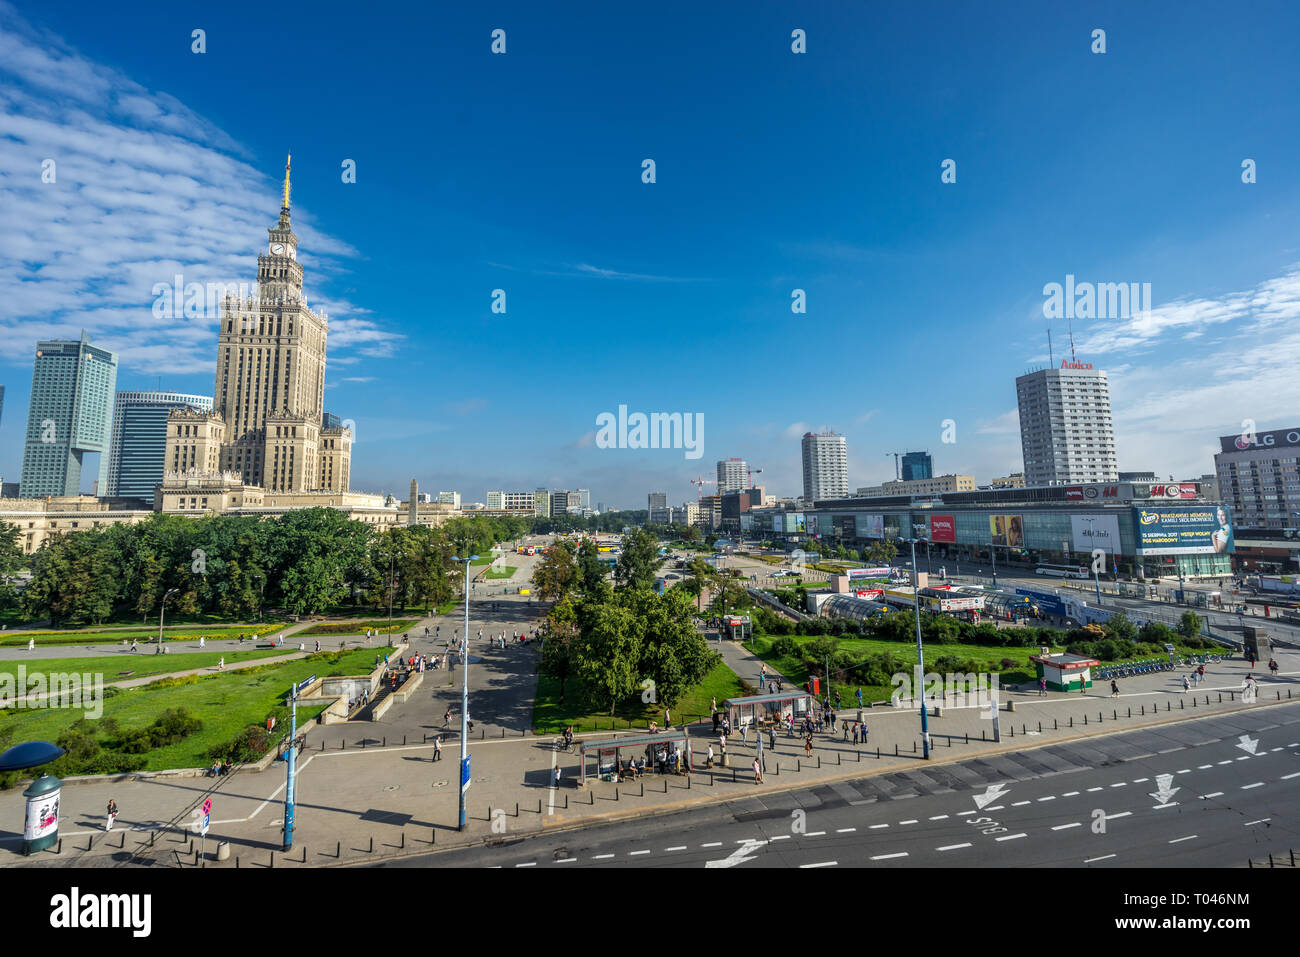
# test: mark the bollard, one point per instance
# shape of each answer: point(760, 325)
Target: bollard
point(236, 862)
point(1144, 709)
point(371, 850)
point(403, 740)
point(1220, 697)
point(914, 746)
point(403, 844)
point(272, 864)
point(1099, 717)
point(343, 745)
point(642, 794)
point(385, 744)
point(1180, 704)
point(1040, 727)
point(1054, 725)
point(1169, 706)
point(1013, 730)
point(1085, 719)
point(615, 792)
point(338, 849)
point(516, 809)
point(982, 733)
point(1116, 717)
point(363, 744)
point(968, 737)
point(1072, 721)
point(424, 739)
point(1130, 711)
point(819, 762)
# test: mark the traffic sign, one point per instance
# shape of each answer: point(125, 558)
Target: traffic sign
point(207, 806)
point(203, 828)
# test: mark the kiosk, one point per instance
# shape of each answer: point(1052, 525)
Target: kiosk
point(1065, 672)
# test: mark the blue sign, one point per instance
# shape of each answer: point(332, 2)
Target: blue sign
point(464, 774)
point(1046, 602)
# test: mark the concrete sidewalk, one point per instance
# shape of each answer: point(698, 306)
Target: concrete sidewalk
point(357, 805)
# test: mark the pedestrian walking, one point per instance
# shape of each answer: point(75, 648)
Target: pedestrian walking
point(668, 718)
point(31, 644)
point(1042, 687)
point(111, 816)
point(807, 745)
point(134, 645)
point(855, 734)
point(221, 665)
point(437, 747)
point(202, 641)
point(1186, 683)
point(758, 772)
point(446, 718)
point(557, 776)
point(318, 644)
point(1114, 689)
point(771, 737)
point(744, 732)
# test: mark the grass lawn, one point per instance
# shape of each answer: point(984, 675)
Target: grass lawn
point(504, 572)
point(357, 626)
point(793, 669)
point(142, 664)
point(226, 703)
point(11, 639)
point(551, 717)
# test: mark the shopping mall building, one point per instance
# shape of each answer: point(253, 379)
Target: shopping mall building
point(1145, 529)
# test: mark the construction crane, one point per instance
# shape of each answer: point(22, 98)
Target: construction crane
point(897, 474)
point(749, 476)
point(700, 482)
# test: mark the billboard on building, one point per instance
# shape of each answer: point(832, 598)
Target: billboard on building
point(1095, 531)
point(1007, 530)
point(794, 522)
point(872, 526)
point(778, 523)
point(943, 528)
point(1183, 530)
point(1261, 440)
point(882, 573)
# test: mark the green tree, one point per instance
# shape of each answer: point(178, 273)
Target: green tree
point(1189, 624)
point(607, 654)
point(882, 552)
point(639, 562)
point(11, 562)
point(1119, 625)
point(556, 573)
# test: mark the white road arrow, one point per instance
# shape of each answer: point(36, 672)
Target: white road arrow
point(1248, 744)
point(739, 856)
point(994, 792)
point(1164, 789)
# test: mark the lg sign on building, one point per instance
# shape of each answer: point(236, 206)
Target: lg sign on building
point(1264, 440)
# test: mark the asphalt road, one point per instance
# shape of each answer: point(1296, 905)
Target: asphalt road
point(1233, 793)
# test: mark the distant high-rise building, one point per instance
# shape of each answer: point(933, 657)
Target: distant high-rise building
point(658, 500)
point(584, 497)
point(559, 503)
point(825, 466)
point(1259, 478)
point(449, 498)
point(137, 456)
point(917, 465)
point(1066, 434)
point(574, 501)
point(71, 413)
point(542, 503)
point(496, 499)
point(732, 475)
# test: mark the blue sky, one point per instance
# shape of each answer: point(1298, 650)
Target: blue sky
point(775, 171)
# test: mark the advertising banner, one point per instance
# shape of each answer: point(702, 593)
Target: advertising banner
point(812, 524)
point(794, 522)
point(778, 523)
point(883, 573)
point(1074, 493)
point(1007, 530)
point(943, 528)
point(1183, 530)
point(1262, 440)
point(42, 816)
point(1095, 531)
point(873, 526)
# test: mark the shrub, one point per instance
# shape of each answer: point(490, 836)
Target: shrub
point(249, 745)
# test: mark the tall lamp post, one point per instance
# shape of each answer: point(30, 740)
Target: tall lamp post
point(464, 697)
point(162, 610)
point(920, 656)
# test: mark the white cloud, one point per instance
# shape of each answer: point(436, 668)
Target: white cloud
point(145, 189)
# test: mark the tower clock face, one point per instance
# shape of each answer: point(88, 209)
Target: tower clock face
point(277, 248)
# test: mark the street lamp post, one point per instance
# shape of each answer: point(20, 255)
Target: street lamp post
point(464, 698)
point(920, 657)
point(993, 551)
point(162, 610)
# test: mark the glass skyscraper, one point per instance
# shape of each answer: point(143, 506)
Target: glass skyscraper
point(71, 413)
point(136, 459)
point(917, 465)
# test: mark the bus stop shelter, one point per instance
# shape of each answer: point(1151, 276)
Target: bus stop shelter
point(760, 709)
point(1065, 672)
point(657, 749)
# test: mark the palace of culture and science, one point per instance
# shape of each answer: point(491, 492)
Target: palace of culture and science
point(268, 433)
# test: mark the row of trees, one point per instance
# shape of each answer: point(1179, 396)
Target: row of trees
point(606, 642)
point(304, 562)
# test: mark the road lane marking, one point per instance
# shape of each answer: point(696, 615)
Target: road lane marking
point(1170, 750)
point(964, 813)
point(996, 807)
point(601, 857)
point(1119, 784)
point(848, 830)
point(814, 834)
point(1064, 827)
point(1202, 767)
point(712, 844)
point(1184, 771)
point(635, 853)
point(1019, 803)
point(1178, 840)
point(1141, 780)
point(1257, 784)
point(1090, 790)
point(1050, 797)
point(1229, 761)
point(780, 837)
point(953, 847)
point(567, 860)
point(1262, 820)
point(886, 857)
point(529, 864)
point(822, 864)
point(1212, 794)
point(912, 821)
point(875, 827)
point(680, 847)
point(939, 817)
point(1102, 858)
point(1288, 777)
point(1245, 757)
point(1010, 837)
point(1071, 794)
point(1111, 817)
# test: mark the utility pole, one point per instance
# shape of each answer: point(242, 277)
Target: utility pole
point(920, 658)
point(464, 697)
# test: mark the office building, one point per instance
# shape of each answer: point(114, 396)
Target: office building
point(542, 503)
point(1066, 434)
point(917, 465)
point(268, 425)
point(825, 466)
point(71, 413)
point(657, 500)
point(519, 503)
point(496, 499)
point(926, 486)
point(584, 498)
point(732, 475)
point(1258, 477)
point(449, 498)
point(1137, 477)
point(559, 503)
point(138, 452)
